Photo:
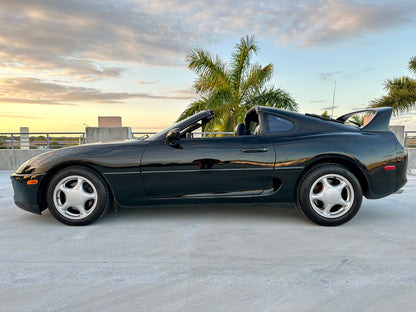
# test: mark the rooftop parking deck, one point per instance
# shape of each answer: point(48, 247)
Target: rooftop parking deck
point(210, 258)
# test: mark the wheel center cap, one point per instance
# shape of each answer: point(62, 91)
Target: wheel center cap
point(331, 196)
point(75, 197)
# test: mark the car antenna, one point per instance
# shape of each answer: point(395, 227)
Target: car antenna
point(333, 100)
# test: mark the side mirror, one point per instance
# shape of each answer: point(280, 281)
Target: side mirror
point(173, 136)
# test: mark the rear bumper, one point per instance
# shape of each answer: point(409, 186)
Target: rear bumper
point(386, 182)
point(27, 196)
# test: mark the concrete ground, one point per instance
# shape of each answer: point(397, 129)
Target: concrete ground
point(210, 258)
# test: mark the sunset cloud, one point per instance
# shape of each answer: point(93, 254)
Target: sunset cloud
point(78, 39)
point(145, 82)
point(76, 53)
point(20, 90)
point(6, 115)
point(330, 76)
point(73, 38)
point(327, 22)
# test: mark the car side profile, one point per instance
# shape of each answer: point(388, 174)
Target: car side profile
point(320, 165)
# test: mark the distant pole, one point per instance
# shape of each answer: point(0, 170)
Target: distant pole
point(333, 100)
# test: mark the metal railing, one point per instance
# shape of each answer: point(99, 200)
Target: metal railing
point(52, 140)
point(193, 134)
point(207, 134)
point(409, 139)
point(40, 140)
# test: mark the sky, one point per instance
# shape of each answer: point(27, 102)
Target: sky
point(64, 63)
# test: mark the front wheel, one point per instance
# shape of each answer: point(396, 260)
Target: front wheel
point(329, 194)
point(77, 196)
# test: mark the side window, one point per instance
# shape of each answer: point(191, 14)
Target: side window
point(278, 124)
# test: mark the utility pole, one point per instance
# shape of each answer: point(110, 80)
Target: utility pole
point(333, 100)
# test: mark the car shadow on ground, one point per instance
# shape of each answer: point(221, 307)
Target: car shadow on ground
point(229, 211)
point(368, 214)
point(263, 212)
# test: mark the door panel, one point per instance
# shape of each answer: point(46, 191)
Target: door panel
point(215, 166)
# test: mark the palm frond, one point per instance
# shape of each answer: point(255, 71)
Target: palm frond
point(230, 91)
point(211, 71)
point(412, 64)
point(399, 99)
point(401, 92)
point(240, 60)
point(193, 108)
point(275, 98)
point(255, 80)
point(395, 84)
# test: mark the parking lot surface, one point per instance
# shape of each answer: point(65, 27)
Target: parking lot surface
point(210, 258)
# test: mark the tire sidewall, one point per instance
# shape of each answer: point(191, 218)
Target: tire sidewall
point(101, 189)
point(303, 193)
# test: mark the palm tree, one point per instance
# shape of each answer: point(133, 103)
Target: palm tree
point(230, 90)
point(401, 92)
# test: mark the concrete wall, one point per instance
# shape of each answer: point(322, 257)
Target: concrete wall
point(399, 132)
point(107, 134)
point(109, 121)
point(12, 159)
point(412, 158)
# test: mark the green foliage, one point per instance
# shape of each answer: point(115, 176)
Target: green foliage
point(412, 65)
point(231, 89)
point(401, 92)
point(358, 118)
point(54, 145)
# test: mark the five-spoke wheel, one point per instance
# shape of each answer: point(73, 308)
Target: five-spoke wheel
point(329, 194)
point(77, 196)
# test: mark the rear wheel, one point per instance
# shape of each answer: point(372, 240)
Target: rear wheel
point(329, 194)
point(77, 196)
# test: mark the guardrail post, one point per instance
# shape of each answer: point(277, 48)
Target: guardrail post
point(47, 140)
point(12, 140)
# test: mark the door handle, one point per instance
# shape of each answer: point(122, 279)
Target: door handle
point(254, 150)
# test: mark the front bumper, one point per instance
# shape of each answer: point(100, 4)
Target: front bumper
point(27, 197)
point(400, 191)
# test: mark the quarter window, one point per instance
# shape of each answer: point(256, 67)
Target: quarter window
point(277, 124)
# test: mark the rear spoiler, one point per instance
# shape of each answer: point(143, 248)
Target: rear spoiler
point(380, 121)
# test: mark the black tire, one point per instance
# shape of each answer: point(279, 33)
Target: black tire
point(77, 196)
point(329, 194)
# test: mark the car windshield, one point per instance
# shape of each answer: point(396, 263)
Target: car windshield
point(180, 125)
point(162, 134)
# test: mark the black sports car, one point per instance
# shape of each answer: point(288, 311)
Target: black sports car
point(323, 166)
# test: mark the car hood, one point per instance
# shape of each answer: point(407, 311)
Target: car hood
point(125, 154)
